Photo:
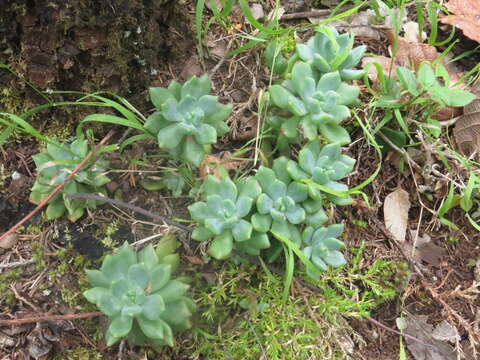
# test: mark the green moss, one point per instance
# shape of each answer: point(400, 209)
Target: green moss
point(248, 319)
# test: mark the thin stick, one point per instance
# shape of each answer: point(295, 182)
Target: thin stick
point(129, 206)
point(378, 323)
point(59, 187)
point(47, 317)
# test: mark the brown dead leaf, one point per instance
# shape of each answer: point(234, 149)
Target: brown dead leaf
point(429, 252)
point(465, 16)
point(467, 128)
point(210, 164)
point(194, 260)
point(418, 327)
point(395, 213)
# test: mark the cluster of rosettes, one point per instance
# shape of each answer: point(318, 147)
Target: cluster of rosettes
point(54, 165)
point(138, 295)
point(281, 201)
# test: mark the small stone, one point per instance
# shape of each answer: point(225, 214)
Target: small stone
point(257, 11)
point(9, 241)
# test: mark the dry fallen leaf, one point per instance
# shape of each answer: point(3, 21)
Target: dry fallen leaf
point(427, 251)
point(465, 16)
point(210, 164)
point(9, 241)
point(395, 213)
point(467, 128)
point(418, 327)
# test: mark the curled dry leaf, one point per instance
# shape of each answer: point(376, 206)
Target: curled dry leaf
point(465, 16)
point(427, 251)
point(210, 164)
point(418, 327)
point(395, 213)
point(467, 128)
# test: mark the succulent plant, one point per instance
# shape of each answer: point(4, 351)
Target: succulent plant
point(54, 165)
point(328, 51)
point(323, 165)
point(222, 216)
point(322, 246)
point(318, 106)
point(279, 207)
point(188, 120)
point(139, 297)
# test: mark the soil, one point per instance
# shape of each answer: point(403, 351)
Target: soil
point(124, 47)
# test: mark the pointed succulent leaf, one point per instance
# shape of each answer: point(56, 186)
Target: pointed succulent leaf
point(138, 273)
point(265, 176)
point(295, 215)
point(243, 206)
point(249, 187)
point(264, 204)
point(209, 104)
point(154, 328)
point(172, 291)
point(302, 80)
point(95, 294)
point(148, 257)
point(120, 326)
point(295, 171)
point(221, 246)
point(280, 169)
point(206, 135)
point(297, 191)
point(276, 190)
point(334, 258)
point(349, 74)
point(159, 96)
point(317, 218)
point(192, 151)
point(196, 87)
point(215, 225)
point(335, 133)
point(153, 306)
point(97, 278)
point(201, 233)
point(116, 266)
point(242, 230)
point(167, 245)
point(198, 211)
point(224, 188)
point(170, 137)
point(289, 127)
point(55, 210)
point(261, 223)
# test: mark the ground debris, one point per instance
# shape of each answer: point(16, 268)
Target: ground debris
point(417, 326)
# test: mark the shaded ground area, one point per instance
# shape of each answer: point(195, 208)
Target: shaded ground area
point(123, 47)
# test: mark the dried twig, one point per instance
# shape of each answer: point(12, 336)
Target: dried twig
point(378, 323)
point(130, 207)
point(59, 187)
point(46, 317)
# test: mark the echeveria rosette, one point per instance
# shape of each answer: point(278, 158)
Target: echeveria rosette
point(317, 107)
point(279, 206)
point(141, 301)
point(54, 165)
point(328, 51)
point(223, 215)
point(188, 119)
point(322, 246)
point(323, 165)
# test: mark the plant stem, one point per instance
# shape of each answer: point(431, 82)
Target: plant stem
point(59, 187)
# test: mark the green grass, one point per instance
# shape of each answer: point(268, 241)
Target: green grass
point(243, 314)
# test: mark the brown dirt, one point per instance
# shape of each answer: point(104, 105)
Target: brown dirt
point(97, 45)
